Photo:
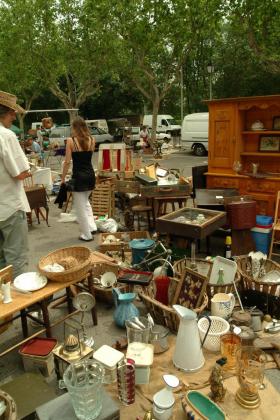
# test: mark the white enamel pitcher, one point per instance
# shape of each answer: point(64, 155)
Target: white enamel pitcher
point(188, 353)
point(222, 304)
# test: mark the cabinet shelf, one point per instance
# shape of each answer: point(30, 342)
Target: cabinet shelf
point(261, 154)
point(264, 132)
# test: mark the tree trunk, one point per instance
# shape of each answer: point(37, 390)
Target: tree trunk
point(72, 114)
point(21, 124)
point(156, 104)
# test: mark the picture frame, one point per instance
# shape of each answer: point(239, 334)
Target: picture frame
point(276, 123)
point(190, 289)
point(269, 143)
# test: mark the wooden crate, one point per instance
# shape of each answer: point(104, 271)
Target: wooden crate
point(129, 186)
point(117, 246)
point(103, 199)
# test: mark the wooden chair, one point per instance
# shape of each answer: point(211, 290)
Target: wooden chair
point(37, 198)
point(275, 228)
point(142, 208)
point(6, 275)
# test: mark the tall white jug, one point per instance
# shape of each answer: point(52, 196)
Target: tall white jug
point(188, 354)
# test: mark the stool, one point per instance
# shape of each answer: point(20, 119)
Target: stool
point(162, 203)
point(142, 208)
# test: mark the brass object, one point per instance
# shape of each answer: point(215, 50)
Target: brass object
point(250, 373)
point(71, 344)
point(70, 357)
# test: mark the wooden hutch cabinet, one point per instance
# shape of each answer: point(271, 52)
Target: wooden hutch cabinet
point(232, 139)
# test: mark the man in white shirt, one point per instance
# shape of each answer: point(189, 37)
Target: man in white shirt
point(14, 168)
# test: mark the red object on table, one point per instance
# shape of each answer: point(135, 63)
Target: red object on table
point(38, 346)
point(162, 286)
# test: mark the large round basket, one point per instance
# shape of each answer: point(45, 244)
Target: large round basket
point(163, 314)
point(204, 268)
point(248, 283)
point(81, 253)
point(11, 410)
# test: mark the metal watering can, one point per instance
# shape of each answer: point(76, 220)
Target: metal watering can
point(188, 353)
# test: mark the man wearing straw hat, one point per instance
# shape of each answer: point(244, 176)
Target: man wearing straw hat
point(14, 168)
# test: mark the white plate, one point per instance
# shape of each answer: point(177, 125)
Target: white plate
point(229, 267)
point(29, 282)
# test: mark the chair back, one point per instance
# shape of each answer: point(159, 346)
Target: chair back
point(6, 274)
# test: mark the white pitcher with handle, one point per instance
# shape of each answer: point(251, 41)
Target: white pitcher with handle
point(222, 304)
point(188, 354)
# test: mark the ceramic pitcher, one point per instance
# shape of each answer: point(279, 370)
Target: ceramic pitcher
point(125, 309)
point(222, 304)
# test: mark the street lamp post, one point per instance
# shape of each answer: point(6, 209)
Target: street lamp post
point(210, 69)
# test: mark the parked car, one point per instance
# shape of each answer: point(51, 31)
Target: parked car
point(101, 136)
point(58, 135)
point(194, 133)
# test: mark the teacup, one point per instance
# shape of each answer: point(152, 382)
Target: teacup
point(222, 304)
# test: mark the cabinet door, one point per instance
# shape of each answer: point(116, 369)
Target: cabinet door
point(221, 135)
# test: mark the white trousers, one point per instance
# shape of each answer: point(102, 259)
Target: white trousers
point(84, 213)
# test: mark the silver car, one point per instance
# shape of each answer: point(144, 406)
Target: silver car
point(58, 135)
point(101, 136)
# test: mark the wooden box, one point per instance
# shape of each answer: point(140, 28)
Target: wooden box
point(128, 186)
point(170, 223)
point(123, 238)
point(175, 190)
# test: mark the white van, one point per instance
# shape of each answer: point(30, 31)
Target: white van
point(98, 124)
point(194, 133)
point(165, 123)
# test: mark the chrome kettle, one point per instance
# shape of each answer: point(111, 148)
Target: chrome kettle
point(188, 353)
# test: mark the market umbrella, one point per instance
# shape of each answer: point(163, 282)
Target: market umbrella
point(15, 129)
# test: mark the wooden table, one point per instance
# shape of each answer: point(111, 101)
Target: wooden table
point(37, 198)
point(22, 302)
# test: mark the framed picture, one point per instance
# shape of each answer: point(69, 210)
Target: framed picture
point(190, 289)
point(269, 143)
point(276, 123)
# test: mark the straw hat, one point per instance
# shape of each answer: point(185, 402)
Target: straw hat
point(10, 101)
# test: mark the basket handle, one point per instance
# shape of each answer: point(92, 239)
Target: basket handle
point(209, 326)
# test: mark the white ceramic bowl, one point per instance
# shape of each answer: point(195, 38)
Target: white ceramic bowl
point(108, 279)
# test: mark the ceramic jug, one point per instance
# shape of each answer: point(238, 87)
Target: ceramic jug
point(163, 401)
point(188, 353)
point(125, 309)
point(222, 304)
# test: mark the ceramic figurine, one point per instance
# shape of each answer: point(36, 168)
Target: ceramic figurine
point(216, 381)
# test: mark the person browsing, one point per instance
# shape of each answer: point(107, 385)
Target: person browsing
point(14, 168)
point(80, 148)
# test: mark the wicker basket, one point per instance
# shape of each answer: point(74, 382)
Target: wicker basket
point(11, 408)
point(102, 294)
point(204, 268)
point(249, 283)
point(163, 314)
point(79, 272)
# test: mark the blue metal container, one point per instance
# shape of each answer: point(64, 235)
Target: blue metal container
point(139, 249)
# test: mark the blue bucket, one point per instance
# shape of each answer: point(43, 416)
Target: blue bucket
point(264, 220)
point(262, 238)
point(139, 249)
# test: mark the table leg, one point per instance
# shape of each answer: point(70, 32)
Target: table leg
point(24, 325)
point(69, 300)
point(91, 290)
point(46, 318)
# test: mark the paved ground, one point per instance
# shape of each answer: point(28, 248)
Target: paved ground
point(43, 239)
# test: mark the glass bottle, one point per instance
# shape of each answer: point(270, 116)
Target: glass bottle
point(228, 247)
point(220, 277)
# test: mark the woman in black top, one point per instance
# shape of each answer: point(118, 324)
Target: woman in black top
point(80, 148)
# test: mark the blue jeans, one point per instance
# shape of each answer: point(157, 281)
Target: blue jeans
point(13, 242)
